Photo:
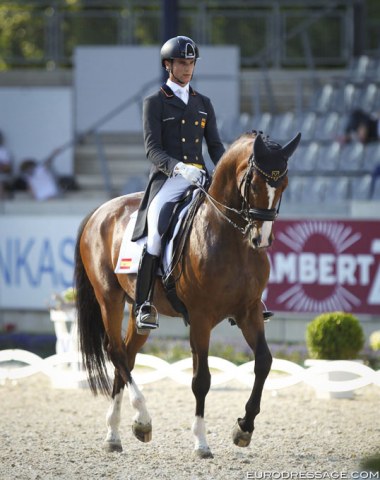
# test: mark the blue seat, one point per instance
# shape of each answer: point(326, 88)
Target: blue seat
point(361, 187)
point(328, 157)
point(371, 156)
point(351, 157)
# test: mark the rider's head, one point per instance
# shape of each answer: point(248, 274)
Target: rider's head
point(176, 52)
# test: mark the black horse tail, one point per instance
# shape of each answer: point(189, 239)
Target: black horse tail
point(91, 331)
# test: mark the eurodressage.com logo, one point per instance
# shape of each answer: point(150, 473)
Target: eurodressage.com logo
point(320, 475)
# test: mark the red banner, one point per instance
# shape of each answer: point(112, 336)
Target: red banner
point(325, 265)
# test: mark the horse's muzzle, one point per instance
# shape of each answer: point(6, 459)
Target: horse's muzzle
point(258, 240)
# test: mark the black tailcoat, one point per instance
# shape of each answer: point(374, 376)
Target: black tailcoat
point(174, 132)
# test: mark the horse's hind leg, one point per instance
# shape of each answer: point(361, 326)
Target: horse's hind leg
point(123, 358)
point(112, 443)
point(200, 385)
point(142, 423)
point(244, 427)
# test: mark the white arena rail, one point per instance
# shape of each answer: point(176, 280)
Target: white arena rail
point(65, 370)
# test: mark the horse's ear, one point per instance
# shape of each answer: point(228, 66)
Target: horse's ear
point(288, 149)
point(259, 147)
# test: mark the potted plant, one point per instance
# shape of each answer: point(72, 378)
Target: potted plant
point(334, 336)
point(374, 343)
point(63, 315)
point(374, 340)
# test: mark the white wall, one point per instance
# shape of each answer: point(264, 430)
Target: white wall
point(105, 77)
point(37, 120)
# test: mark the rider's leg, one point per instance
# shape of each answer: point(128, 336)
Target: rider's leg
point(146, 314)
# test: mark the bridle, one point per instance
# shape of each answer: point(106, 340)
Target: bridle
point(250, 215)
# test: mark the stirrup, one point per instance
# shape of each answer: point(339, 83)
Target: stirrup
point(146, 318)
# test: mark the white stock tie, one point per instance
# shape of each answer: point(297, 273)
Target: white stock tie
point(182, 95)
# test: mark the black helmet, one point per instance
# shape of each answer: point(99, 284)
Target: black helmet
point(179, 47)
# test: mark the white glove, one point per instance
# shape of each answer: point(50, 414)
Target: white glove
point(192, 174)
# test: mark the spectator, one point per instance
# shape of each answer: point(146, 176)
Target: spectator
point(361, 126)
point(40, 178)
point(5, 169)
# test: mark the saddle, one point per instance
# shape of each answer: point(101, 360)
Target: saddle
point(167, 224)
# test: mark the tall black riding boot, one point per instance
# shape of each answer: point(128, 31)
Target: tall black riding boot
point(146, 312)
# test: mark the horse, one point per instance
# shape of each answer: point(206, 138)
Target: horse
point(222, 274)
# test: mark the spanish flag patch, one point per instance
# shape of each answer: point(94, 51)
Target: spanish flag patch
point(125, 263)
point(203, 122)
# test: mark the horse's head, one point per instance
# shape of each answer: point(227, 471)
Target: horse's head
point(262, 185)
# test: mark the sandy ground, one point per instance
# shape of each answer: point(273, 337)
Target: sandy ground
point(49, 434)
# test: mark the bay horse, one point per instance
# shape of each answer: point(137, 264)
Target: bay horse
point(222, 274)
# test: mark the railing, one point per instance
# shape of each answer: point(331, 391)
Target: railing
point(94, 131)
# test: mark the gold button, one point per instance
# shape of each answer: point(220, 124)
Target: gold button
point(196, 140)
point(184, 139)
point(183, 121)
point(196, 157)
point(197, 123)
point(185, 157)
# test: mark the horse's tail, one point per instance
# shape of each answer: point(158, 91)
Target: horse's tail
point(91, 329)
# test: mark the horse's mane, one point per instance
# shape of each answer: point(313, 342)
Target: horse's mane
point(245, 141)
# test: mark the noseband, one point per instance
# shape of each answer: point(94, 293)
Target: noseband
point(250, 215)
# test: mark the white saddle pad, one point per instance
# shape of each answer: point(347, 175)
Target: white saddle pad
point(130, 252)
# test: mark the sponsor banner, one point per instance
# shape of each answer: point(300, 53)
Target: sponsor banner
point(36, 259)
point(325, 265)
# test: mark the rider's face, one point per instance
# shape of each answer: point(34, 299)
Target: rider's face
point(182, 69)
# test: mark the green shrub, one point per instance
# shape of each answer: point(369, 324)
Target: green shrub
point(334, 336)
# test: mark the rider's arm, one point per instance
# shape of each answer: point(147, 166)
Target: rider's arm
point(152, 124)
point(214, 144)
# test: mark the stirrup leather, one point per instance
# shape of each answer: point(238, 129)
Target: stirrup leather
point(147, 317)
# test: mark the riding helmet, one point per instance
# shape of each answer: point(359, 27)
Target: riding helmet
point(179, 47)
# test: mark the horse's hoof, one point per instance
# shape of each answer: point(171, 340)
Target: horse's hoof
point(240, 438)
point(142, 432)
point(110, 447)
point(203, 453)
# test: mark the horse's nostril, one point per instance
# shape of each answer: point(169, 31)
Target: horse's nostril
point(256, 241)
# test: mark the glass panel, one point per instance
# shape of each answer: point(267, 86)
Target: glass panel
point(324, 37)
point(95, 28)
point(247, 31)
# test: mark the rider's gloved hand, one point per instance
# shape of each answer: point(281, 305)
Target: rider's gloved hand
point(192, 174)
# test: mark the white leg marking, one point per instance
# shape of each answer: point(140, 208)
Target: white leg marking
point(113, 418)
point(199, 432)
point(137, 401)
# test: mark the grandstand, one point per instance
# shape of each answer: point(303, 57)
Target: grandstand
point(327, 181)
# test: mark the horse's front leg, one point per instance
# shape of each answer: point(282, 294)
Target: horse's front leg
point(200, 385)
point(244, 427)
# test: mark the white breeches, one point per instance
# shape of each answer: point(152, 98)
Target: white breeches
point(171, 191)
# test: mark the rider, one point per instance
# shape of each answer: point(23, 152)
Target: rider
point(176, 119)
